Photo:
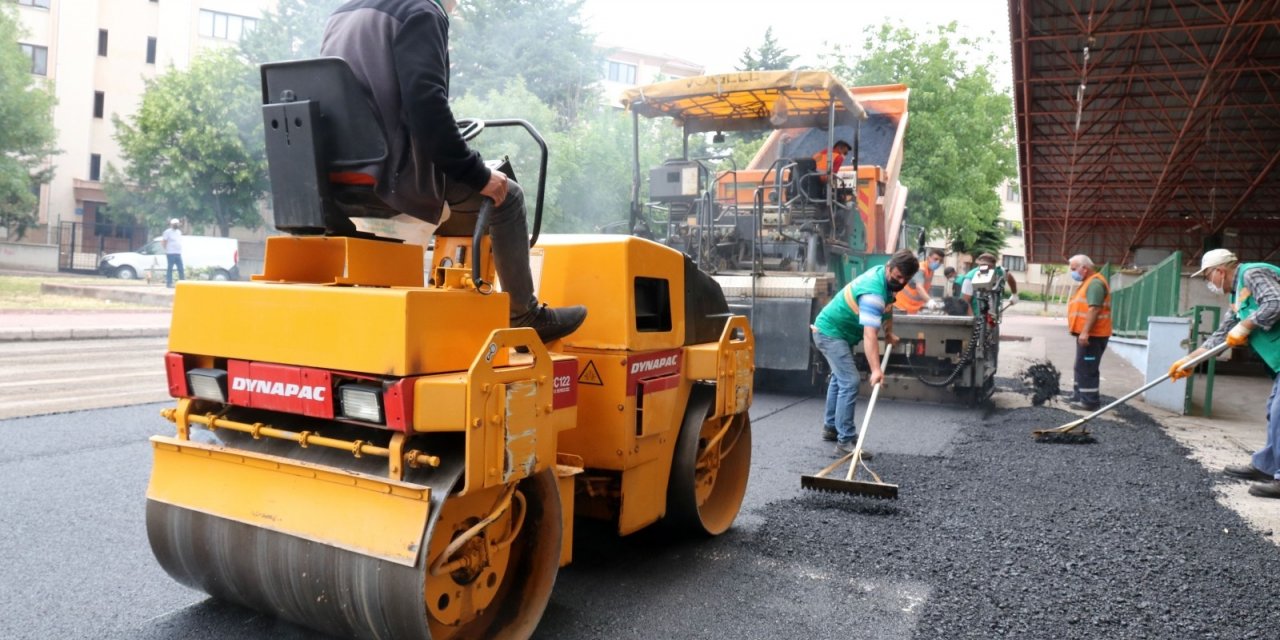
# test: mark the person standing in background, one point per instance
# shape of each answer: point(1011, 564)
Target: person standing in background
point(1089, 320)
point(172, 242)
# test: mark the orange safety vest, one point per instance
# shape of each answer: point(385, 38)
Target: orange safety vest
point(820, 158)
point(910, 300)
point(1078, 310)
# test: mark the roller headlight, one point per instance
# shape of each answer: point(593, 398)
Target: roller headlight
point(361, 402)
point(208, 384)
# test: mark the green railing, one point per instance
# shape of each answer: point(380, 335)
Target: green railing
point(1199, 332)
point(1156, 293)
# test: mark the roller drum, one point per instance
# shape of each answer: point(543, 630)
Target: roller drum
point(347, 594)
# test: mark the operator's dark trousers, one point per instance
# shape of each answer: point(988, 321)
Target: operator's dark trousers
point(1088, 358)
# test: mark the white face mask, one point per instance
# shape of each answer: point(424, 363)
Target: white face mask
point(1213, 287)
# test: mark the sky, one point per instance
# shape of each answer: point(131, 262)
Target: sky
point(714, 33)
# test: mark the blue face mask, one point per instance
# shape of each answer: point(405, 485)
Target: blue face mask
point(1075, 275)
point(933, 264)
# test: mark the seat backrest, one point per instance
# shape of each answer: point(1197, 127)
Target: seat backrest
point(354, 136)
point(325, 145)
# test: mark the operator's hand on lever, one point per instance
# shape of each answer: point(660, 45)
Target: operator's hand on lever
point(1239, 334)
point(1013, 299)
point(496, 189)
point(892, 338)
point(877, 376)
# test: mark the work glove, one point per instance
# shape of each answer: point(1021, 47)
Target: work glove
point(1013, 299)
point(1176, 371)
point(1239, 335)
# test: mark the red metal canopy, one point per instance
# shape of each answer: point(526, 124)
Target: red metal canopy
point(1147, 124)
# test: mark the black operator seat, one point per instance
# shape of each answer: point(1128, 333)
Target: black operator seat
point(325, 147)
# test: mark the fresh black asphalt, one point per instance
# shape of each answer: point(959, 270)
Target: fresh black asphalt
point(995, 535)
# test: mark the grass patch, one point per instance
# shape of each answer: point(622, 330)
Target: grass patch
point(18, 293)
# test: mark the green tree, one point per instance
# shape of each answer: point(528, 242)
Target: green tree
point(292, 32)
point(959, 143)
point(496, 41)
point(27, 134)
point(767, 57)
point(194, 148)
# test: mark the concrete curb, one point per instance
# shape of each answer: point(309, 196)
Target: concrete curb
point(34, 334)
point(115, 294)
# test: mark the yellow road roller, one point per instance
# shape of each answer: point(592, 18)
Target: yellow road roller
point(364, 447)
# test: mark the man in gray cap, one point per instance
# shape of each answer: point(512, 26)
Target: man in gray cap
point(1254, 288)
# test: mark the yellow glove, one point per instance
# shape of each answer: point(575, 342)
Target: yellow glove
point(1177, 372)
point(1239, 335)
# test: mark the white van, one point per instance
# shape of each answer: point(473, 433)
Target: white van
point(220, 256)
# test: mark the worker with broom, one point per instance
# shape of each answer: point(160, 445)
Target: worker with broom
point(856, 314)
point(1254, 289)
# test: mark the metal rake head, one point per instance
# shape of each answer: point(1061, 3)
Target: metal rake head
point(878, 490)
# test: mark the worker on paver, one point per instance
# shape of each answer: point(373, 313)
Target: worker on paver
point(856, 314)
point(1089, 320)
point(1254, 288)
point(966, 281)
point(837, 153)
point(915, 296)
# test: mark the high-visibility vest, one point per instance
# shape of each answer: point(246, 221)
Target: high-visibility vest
point(1078, 309)
point(1244, 303)
point(910, 299)
point(820, 158)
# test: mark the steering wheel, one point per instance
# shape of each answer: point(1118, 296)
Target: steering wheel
point(469, 128)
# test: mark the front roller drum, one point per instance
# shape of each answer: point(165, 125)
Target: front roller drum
point(502, 544)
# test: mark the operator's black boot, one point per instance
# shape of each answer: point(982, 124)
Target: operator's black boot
point(553, 323)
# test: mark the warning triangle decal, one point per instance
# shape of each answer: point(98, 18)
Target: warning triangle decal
point(589, 375)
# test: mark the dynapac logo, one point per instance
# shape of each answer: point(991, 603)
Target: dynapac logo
point(645, 366)
point(279, 387)
point(650, 366)
point(284, 390)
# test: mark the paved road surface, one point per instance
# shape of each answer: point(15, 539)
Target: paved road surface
point(69, 375)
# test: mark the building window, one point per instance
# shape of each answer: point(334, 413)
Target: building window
point(43, 4)
point(102, 42)
point(225, 26)
point(151, 50)
point(99, 103)
point(622, 72)
point(39, 58)
point(95, 166)
point(1011, 193)
point(1014, 263)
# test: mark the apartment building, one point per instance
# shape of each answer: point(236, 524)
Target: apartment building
point(97, 55)
point(626, 68)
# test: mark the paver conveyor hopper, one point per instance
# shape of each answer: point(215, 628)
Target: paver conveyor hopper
point(362, 448)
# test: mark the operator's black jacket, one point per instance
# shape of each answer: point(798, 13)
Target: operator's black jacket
point(399, 50)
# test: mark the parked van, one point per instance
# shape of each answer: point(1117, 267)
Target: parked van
point(220, 256)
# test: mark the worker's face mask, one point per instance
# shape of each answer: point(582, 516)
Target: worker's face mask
point(893, 282)
point(1075, 275)
point(933, 264)
point(1214, 288)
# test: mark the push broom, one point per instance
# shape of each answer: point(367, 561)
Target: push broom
point(1067, 431)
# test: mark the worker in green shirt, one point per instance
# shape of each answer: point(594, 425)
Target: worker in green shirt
point(856, 314)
